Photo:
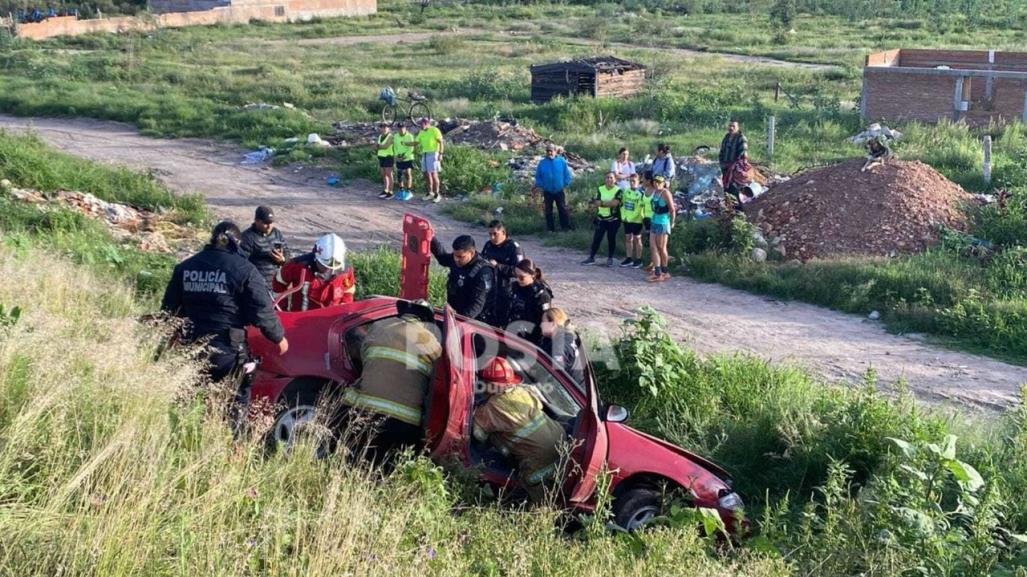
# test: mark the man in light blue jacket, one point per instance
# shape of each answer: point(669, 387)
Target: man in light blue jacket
point(553, 176)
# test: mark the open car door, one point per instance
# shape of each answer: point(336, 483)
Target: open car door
point(415, 258)
point(591, 443)
point(450, 396)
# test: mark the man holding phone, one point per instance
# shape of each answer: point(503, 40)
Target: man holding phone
point(263, 244)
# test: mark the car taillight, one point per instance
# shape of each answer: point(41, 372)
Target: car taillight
point(730, 501)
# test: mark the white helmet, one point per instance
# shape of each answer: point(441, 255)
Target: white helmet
point(330, 252)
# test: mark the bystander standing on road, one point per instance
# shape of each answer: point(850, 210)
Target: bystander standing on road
point(431, 147)
point(607, 219)
point(631, 214)
point(403, 145)
point(662, 224)
point(386, 158)
point(552, 177)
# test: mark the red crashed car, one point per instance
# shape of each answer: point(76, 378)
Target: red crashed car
point(324, 344)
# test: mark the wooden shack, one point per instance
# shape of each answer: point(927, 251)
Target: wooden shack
point(596, 76)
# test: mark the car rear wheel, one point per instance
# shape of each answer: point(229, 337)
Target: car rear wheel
point(636, 507)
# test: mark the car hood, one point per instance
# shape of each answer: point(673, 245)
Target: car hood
point(621, 434)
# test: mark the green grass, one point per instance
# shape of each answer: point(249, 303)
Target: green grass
point(100, 475)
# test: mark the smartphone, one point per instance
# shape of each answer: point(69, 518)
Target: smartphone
point(277, 245)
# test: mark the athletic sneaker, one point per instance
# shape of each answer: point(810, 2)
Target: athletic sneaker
point(652, 278)
point(637, 264)
point(404, 195)
point(437, 199)
point(663, 277)
point(649, 267)
point(385, 194)
point(589, 261)
point(609, 261)
point(428, 196)
point(626, 263)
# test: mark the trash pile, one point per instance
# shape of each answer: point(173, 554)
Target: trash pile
point(898, 207)
point(700, 190)
point(151, 231)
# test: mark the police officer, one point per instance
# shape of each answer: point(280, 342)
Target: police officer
point(531, 298)
point(219, 292)
point(512, 420)
point(263, 244)
point(397, 356)
point(503, 253)
point(470, 289)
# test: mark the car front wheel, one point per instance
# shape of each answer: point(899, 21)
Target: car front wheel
point(636, 507)
point(298, 417)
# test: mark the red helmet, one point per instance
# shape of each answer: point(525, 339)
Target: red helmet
point(499, 372)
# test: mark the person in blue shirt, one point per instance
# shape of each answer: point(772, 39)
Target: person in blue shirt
point(553, 176)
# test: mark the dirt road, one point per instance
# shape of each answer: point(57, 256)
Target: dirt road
point(408, 37)
point(711, 318)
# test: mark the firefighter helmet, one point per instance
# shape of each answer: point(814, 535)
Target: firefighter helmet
point(498, 371)
point(330, 252)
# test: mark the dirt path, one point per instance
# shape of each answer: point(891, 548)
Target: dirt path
point(711, 318)
point(406, 37)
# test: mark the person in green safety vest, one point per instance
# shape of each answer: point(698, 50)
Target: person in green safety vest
point(386, 158)
point(632, 197)
point(403, 144)
point(607, 220)
point(398, 355)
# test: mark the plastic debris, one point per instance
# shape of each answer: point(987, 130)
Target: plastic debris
point(314, 139)
point(262, 154)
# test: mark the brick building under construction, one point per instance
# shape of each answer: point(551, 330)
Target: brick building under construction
point(977, 86)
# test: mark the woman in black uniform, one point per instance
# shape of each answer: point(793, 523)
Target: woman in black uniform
point(530, 299)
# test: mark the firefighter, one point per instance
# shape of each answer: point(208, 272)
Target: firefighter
point(503, 253)
point(512, 420)
point(397, 355)
point(470, 289)
point(219, 292)
point(321, 276)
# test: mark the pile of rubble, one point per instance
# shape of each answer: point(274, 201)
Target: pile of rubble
point(898, 207)
point(151, 231)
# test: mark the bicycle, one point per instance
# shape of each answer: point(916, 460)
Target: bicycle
point(418, 105)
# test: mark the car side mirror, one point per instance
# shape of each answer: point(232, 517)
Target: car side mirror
point(616, 414)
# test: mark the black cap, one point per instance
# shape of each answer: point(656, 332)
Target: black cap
point(265, 214)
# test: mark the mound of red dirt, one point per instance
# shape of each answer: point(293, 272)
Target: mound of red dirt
point(838, 210)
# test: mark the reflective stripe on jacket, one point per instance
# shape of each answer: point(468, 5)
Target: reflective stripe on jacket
point(398, 354)
point(514, 422)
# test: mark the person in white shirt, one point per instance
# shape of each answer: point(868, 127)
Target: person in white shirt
point(623, 168)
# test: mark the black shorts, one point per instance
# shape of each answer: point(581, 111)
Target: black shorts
point(386, 161)
point(632, 228)
point(647, 224)
point(404, 164)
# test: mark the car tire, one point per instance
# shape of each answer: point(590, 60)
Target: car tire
point(636, 507)
point(298, 407)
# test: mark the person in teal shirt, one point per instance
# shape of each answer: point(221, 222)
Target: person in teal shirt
point(659, 233)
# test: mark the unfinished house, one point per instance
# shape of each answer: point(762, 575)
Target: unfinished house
point(597, 76)
point(977, 86)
